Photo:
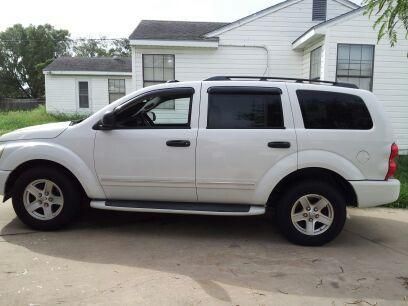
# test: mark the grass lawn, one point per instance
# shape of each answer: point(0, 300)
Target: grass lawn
point(402, 175)
point(10, 121)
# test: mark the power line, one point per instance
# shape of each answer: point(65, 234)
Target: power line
point(68, 40)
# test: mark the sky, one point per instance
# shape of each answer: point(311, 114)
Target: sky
point(117, 19)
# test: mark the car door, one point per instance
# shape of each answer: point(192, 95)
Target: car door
point(245, 129)
point(150, 154)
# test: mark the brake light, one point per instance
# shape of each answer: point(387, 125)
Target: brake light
point(392, 165)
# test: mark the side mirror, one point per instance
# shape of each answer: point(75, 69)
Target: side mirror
point(108, 121)
point(152, 116)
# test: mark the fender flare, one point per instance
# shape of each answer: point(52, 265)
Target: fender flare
point(302, 160)
point(16, 154)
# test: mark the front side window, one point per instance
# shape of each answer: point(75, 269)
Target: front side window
point(145, 112)
point(333, 110)
point(315, 63)
point(83, 93)
point(244, 110)
point(157, 69)
point(355, 65)
point(116, 89)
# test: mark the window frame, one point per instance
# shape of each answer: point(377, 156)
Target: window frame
point(109, 92)
point(175, 91)
point(320, 63)
point(158, 81)
point(372, 66)
point(79, 94)
point(245, 90)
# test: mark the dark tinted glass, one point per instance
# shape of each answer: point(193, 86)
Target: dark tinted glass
point(331, 110)
point(244, 111)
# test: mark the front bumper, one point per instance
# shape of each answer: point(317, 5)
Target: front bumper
point(3, 179)
point(376, 193)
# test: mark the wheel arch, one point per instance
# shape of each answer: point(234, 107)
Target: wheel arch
point(313, 173)
point(38, 163)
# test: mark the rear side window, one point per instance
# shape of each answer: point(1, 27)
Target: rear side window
point(244, 108)
point(333, 110)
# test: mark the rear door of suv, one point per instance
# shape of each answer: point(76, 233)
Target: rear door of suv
point(245, 128)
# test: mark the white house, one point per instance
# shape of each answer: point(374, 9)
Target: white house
point(317, 39)
point(84, 85)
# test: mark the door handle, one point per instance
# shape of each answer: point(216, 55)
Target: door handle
point(279, 144)
point(178, 143)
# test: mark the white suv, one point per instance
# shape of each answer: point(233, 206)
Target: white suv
point(224, 146)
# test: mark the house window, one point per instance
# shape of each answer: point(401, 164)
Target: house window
point(319, 10)
point(355, 64)
point(159, 68)
point(83, 93)
point(315, 63)
point(116, 89)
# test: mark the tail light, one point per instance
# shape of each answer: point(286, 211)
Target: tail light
point(392, 165)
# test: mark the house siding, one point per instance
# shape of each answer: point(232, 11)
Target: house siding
point(277, 31)
point(274, 31)
point(62, 92)
point(390, 83)
point(197, 64)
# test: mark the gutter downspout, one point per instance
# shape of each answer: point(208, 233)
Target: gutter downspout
point(265, 48)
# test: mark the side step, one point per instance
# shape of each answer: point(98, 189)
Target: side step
point(180, 207)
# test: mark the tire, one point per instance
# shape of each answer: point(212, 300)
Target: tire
point(317, 226)
point(47, 212)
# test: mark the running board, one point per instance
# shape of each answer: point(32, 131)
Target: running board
point(180, 207)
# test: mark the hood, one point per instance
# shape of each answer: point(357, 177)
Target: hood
point(44, 131)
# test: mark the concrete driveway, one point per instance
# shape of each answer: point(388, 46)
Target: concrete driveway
point(119, 258)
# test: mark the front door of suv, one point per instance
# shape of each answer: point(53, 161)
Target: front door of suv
point(150, 155)
point(245, 129)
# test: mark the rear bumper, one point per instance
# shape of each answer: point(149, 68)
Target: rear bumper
point(3, 179)
point(376, 193)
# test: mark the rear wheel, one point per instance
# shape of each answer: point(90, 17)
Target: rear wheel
point(311, 213)
point(46, 198)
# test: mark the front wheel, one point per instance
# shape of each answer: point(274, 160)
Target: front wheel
point(311, 213)
point(46, 198)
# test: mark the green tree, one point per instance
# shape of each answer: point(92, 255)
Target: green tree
point(24, 52)
point(101, 47)
point(391, 15)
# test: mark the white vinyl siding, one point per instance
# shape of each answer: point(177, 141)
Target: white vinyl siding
point(390, 82)
point(192, 64)
point(277, 31)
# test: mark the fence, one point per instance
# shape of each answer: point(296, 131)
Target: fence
point(9, 104)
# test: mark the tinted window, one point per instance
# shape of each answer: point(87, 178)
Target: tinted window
point(244, 110)
point(330, 110)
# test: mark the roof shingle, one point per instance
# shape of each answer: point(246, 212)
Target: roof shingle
point(106, 64)
point(175, 30)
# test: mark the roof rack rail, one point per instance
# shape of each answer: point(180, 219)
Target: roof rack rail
point(172, 81)
point(266, 78)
